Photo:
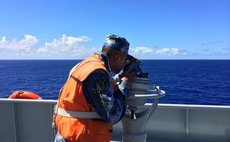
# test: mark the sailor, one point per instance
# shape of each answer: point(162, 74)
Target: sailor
point(90, 101)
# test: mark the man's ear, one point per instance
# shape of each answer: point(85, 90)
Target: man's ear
point(116, 58)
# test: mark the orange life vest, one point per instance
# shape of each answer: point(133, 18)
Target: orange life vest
point(72, 99)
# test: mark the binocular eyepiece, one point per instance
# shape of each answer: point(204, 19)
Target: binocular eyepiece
point(134, 65)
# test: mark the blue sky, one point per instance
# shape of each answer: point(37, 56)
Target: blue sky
point(74, 29)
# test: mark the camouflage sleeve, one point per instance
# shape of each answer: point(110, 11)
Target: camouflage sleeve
point(122, 85)
point(105, 99)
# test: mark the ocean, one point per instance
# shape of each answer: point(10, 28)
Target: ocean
point(205, 82)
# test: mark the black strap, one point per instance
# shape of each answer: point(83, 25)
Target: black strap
point(75, 78)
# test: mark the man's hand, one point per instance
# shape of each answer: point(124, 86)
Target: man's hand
point(131, 69)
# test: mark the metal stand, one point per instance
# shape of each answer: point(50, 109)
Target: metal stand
point(137, 115)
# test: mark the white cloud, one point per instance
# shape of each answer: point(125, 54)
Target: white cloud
point(66, 46)
point(23, 45)
point(142, 50)
point(63, 47)
point(147, 52)
point(167, 51)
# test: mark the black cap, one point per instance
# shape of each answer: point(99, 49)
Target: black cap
point(117, 42)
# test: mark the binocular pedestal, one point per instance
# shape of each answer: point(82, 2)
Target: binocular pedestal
point(137, 114)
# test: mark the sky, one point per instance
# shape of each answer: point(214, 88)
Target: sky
point(75, 29)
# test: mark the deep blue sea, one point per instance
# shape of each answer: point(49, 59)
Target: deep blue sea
point(185, 81)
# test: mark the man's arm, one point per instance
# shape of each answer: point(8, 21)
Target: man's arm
point(109, 101)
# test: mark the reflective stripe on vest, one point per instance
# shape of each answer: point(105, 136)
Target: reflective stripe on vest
point(75, 114)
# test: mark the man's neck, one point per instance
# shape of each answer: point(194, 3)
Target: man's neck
point(105, 59)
